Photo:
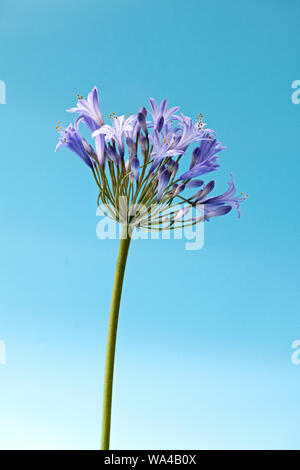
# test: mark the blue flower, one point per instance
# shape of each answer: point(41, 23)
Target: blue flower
point(162, 111)
point(174, 141)
point(204, 157)
point(71, 138)
point(154, 149)
point(228, 198)
point(117, 132)
point(89, 111)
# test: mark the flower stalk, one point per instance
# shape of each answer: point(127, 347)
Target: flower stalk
point(112, 336)
point(140, 165)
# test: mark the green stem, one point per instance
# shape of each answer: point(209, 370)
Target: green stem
point(112, 336)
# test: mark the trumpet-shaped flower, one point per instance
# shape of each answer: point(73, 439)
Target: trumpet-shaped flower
point(228, 198)
point(118, 131)
point(71, 138)
point(204, 157)
point(162, 112)
point(88, 110)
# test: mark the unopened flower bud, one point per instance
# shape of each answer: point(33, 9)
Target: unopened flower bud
point(131, 146)
point(143, 144)
point(142, 122)
point(159, 124)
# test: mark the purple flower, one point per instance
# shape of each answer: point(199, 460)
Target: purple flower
point(162, 142)
point(71, 138)
point(204, 157)
point(175, 141)
point(162, 111)
point(89, 111)
point(228, 198)
point(219, 205)
point(164, 146)
point(121, 127)
point(191, 133)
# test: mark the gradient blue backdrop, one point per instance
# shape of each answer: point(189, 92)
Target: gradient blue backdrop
point(204, 344)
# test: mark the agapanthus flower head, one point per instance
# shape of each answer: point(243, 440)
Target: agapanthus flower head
point(141, 161)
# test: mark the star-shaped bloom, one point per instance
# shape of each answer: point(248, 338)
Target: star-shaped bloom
point(71, 138)
point(121, 127)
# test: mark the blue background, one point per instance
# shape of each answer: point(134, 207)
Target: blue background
point(204, 344)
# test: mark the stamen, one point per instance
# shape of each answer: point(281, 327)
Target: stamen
point(199, 119)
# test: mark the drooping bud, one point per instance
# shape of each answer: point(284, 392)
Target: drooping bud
point(182, 212)
point(180, 188)
point(223, 210)
point(173, 167)
point(194, 183)
point(199, 195)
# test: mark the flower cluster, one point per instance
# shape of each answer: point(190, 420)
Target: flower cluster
point(136, 163)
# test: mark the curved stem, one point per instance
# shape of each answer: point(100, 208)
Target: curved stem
point(112, 336)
